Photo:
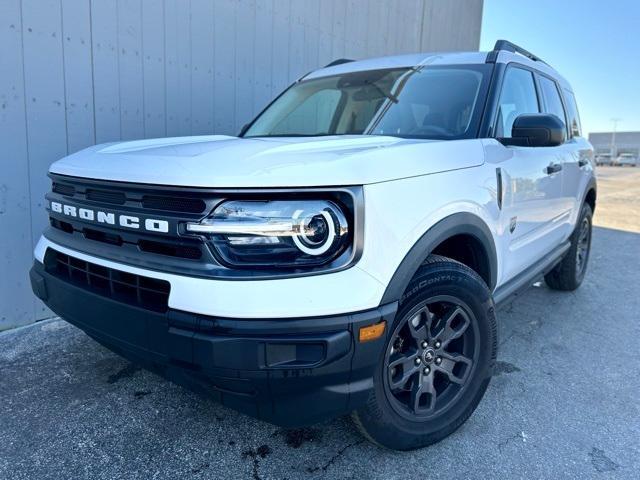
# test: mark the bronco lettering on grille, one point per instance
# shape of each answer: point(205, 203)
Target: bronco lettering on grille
point(109, 218)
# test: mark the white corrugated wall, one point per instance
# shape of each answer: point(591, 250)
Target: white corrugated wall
point(77, 72)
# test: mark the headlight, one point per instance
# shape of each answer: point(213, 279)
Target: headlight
point(277, 233)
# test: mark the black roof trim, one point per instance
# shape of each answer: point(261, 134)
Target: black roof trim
point(507, 46)
point(338, 61)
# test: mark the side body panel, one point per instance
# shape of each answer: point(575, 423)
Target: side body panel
point(579, 175)
point(534, 219)
point(399, 213)
point(540, 206)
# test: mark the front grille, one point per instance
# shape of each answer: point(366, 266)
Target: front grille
point(67, 190)
point(175, 201)
point(174, 204)
point(98, 236)
point(170, 249)
point(113, 198)
point(133, 224)
point(136, 290)
point(60, 225)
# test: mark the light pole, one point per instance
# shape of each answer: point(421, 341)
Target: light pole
point(613, 137)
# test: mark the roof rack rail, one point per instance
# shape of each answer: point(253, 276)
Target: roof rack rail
point(339, 61)
point(507, 46)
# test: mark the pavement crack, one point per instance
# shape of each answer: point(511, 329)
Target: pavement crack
point(260, 452)
point(334, 458)
point(518, 436)
point(601, 463)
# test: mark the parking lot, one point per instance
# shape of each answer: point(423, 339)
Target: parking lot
point(563, 403)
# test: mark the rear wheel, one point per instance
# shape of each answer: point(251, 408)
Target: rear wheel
point(569, 273)
point(438, 359)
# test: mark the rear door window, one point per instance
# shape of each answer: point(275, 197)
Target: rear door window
point(552, 100)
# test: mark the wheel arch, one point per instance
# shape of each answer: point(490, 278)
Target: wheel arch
point(591, 194)
point(457, 225)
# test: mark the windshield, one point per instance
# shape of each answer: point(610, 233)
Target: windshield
point(425, 102)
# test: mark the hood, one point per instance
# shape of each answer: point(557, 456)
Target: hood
point(228, 162)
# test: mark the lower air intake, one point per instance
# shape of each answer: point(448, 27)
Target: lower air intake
point(136, 290)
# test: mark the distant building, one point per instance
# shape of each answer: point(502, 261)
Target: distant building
point(624, 143)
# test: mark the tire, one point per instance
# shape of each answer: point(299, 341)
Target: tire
point(448, 306)
point(569, 273)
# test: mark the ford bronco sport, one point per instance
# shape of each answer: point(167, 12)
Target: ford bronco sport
point(345, 253)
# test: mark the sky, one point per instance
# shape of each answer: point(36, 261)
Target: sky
point(594, 44)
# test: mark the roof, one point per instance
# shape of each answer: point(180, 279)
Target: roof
point(445, 58)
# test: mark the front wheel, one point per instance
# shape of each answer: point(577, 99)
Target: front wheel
point(438, 358)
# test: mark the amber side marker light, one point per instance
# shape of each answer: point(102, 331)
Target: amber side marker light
point(372, 332)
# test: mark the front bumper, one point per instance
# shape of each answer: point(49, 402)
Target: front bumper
point(321, 295)
point(288, 371)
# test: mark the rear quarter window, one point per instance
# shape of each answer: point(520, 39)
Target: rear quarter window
point(575, 130)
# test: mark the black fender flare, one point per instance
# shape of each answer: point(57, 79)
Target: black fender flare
point(592, 184)
point(456, 224)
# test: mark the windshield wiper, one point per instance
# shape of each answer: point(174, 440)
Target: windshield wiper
point(294, 135)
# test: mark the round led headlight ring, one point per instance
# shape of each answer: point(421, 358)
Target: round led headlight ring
point(310, 240)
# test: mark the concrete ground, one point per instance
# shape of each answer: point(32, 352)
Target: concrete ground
point(564, 401)
point(618, 198)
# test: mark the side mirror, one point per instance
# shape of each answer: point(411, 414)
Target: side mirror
point(536, 130)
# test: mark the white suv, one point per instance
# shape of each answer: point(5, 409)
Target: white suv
point(345, 254)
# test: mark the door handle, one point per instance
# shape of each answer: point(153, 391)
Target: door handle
point(553, 168)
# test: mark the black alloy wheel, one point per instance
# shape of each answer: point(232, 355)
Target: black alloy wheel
point(437, 359)
point(431, 356)
point(569, 273)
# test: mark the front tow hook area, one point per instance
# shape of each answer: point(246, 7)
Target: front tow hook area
point(38, 285)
